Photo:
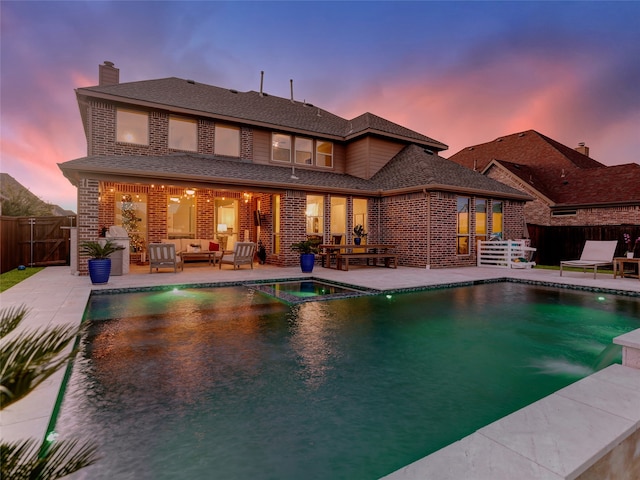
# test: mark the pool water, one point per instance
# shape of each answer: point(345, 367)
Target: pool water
point(229, 383)
point(299, 291)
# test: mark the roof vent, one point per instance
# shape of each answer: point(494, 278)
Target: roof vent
point(499, 140)
point(233, 90)
point(427, 151)
point(521, 135)
point(192, 82)
point(470, 148)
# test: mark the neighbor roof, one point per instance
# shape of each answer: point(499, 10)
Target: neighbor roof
point(413, 169)
point(563, 175)
point(254, 108)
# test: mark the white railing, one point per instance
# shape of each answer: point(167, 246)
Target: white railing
point(505, 254)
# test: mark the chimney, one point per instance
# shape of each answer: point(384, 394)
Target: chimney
point(108, 74)
point(583, 149)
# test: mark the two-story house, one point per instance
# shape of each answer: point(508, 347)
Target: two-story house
point(174, 158)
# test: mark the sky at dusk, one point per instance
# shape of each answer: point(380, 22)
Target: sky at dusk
point(462, 73)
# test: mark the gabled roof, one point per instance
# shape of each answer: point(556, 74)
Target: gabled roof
point(416, 167)
point(561, 174)
point(525, 148)
point(413, 169)
point(253, 108)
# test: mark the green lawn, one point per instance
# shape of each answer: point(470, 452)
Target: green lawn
point(15, 276)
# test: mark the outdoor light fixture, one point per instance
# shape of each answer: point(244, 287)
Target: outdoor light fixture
point(190, 191)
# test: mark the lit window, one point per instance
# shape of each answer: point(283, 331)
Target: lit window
point(315, 214)
point(132, 127)
point(304, 151)
point(227, 141)
point(360, 213)
point(481, 219)
point(281, 148)
point(463, 226)
point(496, 219)
point(183, 134)
point(181, 216)
point(324, 154)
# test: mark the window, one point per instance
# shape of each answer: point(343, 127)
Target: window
point(226, 222)
point(481, 219)
point(324, 154)
point(227, 141)
point(183, 134)
point(131, 214)
point(181, 216)
point(304, 151)
point(315, 215)
point(463, 226)
point(281, 148)
point(338, 220)
point(360, 213)
point(132, 127)
point(496, 219)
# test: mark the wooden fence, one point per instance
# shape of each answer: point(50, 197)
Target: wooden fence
point(565, 243)
point(34, 241)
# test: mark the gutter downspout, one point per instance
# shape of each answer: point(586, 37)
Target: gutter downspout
point(428, 199)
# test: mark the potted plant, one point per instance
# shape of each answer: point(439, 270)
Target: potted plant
point(99, 261)
point(359, 233)
point(307, 249)
point(630, 246)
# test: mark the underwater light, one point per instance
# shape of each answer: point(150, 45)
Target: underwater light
point(52, 436)
point(389, 296)
point(601, 298)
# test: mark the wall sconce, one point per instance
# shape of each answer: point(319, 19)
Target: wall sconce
point(247, 197)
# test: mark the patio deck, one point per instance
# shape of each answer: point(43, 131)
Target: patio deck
point(54, 296)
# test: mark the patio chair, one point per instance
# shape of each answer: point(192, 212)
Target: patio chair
point(242, 255)
point(163, 255)
point(594, 254)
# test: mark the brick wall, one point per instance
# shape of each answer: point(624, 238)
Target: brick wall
point(88, 217)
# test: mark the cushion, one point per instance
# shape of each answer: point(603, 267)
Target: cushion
point(214, 247)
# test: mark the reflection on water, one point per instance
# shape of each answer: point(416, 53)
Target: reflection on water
point(229, 383)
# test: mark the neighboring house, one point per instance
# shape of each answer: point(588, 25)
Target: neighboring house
point(173, 158)
point(569, 187)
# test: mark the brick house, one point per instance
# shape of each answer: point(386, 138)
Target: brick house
point(568, 187)
point(189, 160)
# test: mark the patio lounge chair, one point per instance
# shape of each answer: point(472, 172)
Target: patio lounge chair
point(163, 255)
point(242, 255)
point(594, 254)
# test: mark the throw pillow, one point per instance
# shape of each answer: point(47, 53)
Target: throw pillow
point(214, 247)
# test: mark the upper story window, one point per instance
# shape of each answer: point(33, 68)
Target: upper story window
point(324, 154)
point(304, 151)
point(132, 127)
point(183, 134)
point(227, 141)
point(281, 147)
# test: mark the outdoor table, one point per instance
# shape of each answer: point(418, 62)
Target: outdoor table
point(618, 266)
point(370, 251)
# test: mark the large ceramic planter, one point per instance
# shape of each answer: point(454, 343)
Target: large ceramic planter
point(307, 261)
point(357, 240)
point(99, 270)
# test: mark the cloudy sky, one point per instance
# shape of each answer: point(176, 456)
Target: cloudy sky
point(460, 72)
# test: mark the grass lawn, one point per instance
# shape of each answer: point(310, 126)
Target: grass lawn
point(15, 276)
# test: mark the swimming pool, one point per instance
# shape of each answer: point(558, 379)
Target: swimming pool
point(230, 383)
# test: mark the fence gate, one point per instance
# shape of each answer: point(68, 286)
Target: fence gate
point(42, 241)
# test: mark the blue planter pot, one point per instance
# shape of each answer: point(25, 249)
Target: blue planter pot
point(99, 270)
point(307, 261)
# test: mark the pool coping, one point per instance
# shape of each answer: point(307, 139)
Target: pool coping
point(478, 453)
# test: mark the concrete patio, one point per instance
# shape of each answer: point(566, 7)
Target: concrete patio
point(607, 403)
